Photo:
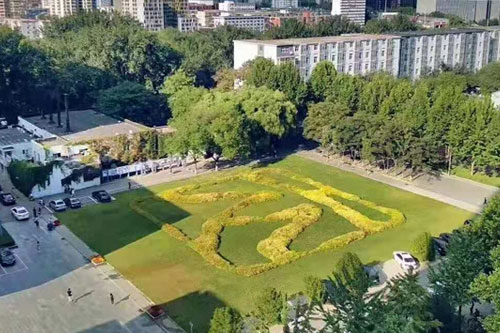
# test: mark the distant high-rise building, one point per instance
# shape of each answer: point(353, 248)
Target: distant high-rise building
point(285, 3)
point(13, 8)
point(148, 12)
point(172, 9)
point(354, 10)
point(469, 10)
point(63, 8)
point(3, 9)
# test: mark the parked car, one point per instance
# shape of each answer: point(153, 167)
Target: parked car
point(405, 260)
point(57, 205)
point(7, 199)
point(439, 246)
point(72, 202)
point(7, 258)
point(20, 213)
point(445, 237)
point(101, 196)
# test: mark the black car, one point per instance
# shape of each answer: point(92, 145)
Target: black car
point(101, 196)
point(7, 199)
point(7, 258)
point(73, 202)
point(445, 237)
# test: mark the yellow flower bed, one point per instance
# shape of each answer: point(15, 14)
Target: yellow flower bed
point(296, 219)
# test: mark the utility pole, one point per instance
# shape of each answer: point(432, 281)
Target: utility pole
point(68, 129)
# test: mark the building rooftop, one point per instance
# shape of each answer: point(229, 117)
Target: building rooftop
point(316, 40)
point(85, 125)
point(432, 32)
point(13, 135)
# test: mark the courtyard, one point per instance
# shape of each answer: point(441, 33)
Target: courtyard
point(218, 239)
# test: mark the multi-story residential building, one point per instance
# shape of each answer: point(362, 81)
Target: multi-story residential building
point(354, 10)
point(149, 12)
point(172, 9)
point(250, 22)
point(63, 8)
point(410, 54)
point(187, 23)
point(3, 9)
point(29, 28)
point(206, 18)
point(285, 4)
point(305, 16)
point(469, 10)
point(231, 6)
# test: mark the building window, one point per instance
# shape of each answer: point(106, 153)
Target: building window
point(350, 55)
point(418, 49)
point(315, 47)
point(350, 68)
point(333, 57)
point(315, 59)
point(366, 66)
point(367, 54)
point(382, 53)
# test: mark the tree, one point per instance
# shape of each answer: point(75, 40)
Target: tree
point(286, 78)
point(259, 72)
point(348, 270)
point(269, 307)
point(176, 82)
point(488, 78)
point(25, 76)
point(399, 23)
point(315, 289)
point(271, 116)
point(133, 101)
point(487, 288)
point(466, 257)
point(322, 80)
point(405, 307)
point(226, 320)
point(114, 45)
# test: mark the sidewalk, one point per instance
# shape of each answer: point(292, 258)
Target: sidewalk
point(464, 194)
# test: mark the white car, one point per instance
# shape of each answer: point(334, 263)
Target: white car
point(57, 205)
point(405, 260)
point(20, 213)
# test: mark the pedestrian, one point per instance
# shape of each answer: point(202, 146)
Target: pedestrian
point(37, 246)
point(70, 295)
point(39, 210)
point(72, 192)
point(129, 185)
point(34, 212)
point(485, 201)
point(37, 223)
point(112, 298)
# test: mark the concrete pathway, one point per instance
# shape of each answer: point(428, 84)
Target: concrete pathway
point(33, 291)
point(455, 191)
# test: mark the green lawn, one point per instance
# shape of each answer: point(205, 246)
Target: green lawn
point(171, 273)
point(478, 176)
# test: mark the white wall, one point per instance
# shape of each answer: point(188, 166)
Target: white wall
point(54, 185)
point(21, 122)
point(243, 52)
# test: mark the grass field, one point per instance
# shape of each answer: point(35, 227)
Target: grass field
point(478, 176)
point(172, 273)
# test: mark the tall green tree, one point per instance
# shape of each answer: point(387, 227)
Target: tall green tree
point(322, 80)
point(226, 320)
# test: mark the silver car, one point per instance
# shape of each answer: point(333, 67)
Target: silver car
point(57, 205)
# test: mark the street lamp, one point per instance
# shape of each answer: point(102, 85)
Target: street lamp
point(68, 129)
point(191, 326)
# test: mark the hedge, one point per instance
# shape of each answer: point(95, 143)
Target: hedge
point(421, 247)
point(26, 175)
point(297, 219)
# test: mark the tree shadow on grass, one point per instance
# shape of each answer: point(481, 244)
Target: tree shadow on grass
point(196, 307)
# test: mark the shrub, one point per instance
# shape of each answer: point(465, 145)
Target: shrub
point(350, 268)
point(268, 306)
point(421, 247)
point(315, 288)
point(26, 175)
point(226, 320)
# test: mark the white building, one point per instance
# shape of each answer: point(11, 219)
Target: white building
point(206, 18)
point(29, 28)
point(148, 12)
point(354, 10)
point(285, 4)
point(469, 10)
point(63, 8)
point(410, 54)
point(249, 22)
point(187, 23)
point(231, 6)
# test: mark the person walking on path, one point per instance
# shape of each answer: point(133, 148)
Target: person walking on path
point(39, 210)
point(34, 212)
point(70, 295)
point(37, 223)
point(38, 246)
point(129, 185)
point(112, 298)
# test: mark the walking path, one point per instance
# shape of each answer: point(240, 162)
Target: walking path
point(455, 191)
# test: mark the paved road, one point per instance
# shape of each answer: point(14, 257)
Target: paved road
point(455, 191)
point(33, 291)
